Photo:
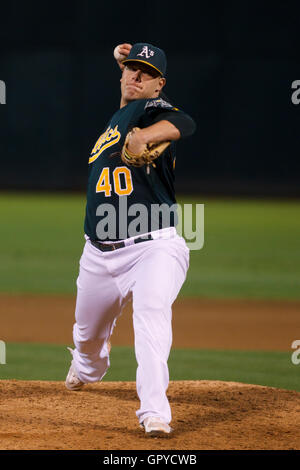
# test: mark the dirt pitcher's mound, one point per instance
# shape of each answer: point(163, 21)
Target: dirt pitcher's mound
point(206, 415)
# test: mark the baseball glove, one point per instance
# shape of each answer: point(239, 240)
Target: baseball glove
point(150, 152)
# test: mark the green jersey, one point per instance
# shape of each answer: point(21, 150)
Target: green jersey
point(122, 200)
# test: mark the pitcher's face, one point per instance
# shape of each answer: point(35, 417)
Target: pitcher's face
point(140, 81)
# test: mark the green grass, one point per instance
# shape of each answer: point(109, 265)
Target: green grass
point(51, 362)
point(251, 247)
point(40, 242)
point(251, 250)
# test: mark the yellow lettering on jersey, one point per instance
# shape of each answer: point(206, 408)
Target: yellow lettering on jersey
point(103, 184)
point(108, 138)
point(128, 186)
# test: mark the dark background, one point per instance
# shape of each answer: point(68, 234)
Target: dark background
point(230, 66)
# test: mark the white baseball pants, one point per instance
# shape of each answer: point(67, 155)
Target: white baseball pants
point(151, 273)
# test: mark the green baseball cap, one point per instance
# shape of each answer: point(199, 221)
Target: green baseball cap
point(150, 55)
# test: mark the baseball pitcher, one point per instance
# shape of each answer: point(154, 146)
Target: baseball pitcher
point(132, 250)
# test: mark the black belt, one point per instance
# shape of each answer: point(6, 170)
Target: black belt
point(116, 246)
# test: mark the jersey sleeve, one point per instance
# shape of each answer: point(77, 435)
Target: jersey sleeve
point(158, 110)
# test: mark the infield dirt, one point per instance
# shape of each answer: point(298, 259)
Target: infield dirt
point(197, 323)
point(206, 414)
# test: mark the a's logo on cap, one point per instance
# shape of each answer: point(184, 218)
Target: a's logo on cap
point(147, 52)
